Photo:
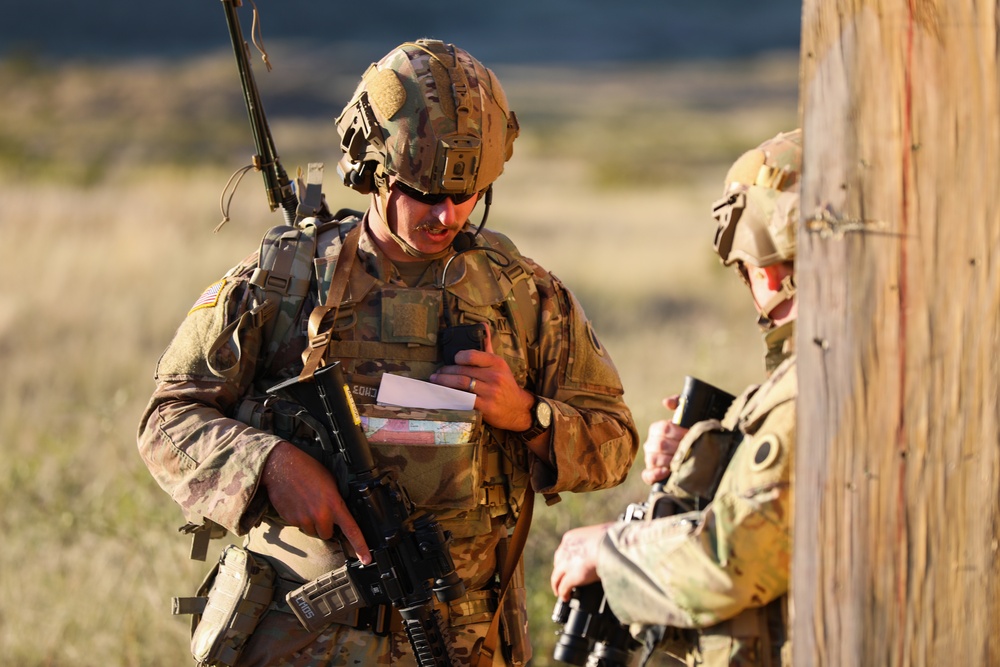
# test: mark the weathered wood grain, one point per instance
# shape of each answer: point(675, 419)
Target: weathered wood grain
point(897, 482)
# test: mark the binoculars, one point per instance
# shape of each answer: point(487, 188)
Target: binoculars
point(591, 634)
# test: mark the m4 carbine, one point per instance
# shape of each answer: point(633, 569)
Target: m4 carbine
point(591, 634)
point(410, 551)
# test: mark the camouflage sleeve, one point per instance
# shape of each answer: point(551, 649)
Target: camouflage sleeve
point(697, 569)
point(593, 439)
point(208, 463)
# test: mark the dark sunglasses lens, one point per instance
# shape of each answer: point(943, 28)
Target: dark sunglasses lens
point(424, 197)
point(432, 199)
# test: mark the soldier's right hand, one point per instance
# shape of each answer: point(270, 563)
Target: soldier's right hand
point(662, 441)
point(305, 495)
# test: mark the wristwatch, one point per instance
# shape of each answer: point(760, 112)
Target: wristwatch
point(541, 420)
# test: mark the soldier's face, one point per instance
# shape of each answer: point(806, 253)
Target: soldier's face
point(430, 228)
point(765, 284)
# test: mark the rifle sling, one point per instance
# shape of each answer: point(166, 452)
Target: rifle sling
point(517, 541)
point(319, 339)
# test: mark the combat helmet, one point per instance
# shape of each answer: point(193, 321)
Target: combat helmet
point(759, 211)
point(431, 115)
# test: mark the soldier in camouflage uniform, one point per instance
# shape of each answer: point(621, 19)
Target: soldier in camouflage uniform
point(427, 132)
point(709, 583)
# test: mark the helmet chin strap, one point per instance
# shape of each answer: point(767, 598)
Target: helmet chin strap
point(383, 208)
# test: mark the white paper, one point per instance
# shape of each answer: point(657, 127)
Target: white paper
point(409, 393)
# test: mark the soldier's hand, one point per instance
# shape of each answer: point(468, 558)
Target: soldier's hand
point(305, 495)
point(575, 561)
point(661, 443)
point(502, 401)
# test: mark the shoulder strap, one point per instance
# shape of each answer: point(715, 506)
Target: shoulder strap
point(280, 283)
point(320, 321)
point(283, 275)
point(519, 287)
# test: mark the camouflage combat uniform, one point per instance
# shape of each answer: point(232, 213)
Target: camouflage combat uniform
point(197, 439)
point(720, 570)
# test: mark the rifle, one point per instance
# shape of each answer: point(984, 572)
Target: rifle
point(409, 548)
point(591, 634)
point(280, 191)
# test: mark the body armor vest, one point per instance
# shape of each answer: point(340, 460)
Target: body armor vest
point(470, 476)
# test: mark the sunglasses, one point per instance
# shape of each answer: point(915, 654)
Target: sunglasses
point(432, 199)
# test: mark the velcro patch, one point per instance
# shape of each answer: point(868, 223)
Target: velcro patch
point(410, 320)
point(386, 92)
point(209, 297)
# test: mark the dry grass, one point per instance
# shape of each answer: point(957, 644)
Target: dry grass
point(107, 228)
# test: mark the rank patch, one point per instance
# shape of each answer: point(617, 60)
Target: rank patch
point(209, 297)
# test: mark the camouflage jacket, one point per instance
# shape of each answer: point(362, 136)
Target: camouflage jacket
point(210, 461)
point(712, 568)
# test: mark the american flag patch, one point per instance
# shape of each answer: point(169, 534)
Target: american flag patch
point(209, 297)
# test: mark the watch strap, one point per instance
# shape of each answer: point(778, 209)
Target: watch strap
point(537, 427)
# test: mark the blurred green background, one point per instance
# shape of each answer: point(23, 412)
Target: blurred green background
point(119, 127)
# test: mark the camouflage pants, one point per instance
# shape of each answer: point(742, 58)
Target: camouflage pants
point(279, 641)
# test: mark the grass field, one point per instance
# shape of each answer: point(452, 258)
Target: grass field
point(111, 178)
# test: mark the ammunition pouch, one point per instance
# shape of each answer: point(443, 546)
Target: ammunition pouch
point(229, 604)
point(445, 460)
point(697, 467)
point(436, 453)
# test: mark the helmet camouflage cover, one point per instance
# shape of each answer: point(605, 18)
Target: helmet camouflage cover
point(759, 211)
point(431, 115)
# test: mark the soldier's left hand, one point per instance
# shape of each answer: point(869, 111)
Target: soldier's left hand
point(575, 561)
point(502, 401)
point(661, 442)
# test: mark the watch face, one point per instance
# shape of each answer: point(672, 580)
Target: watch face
point(543, 414)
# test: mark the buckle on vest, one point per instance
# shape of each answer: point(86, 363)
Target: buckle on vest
point(514, 272)
point(267, 281)
point(494, 495)
point(321, 339)
point(262, 313)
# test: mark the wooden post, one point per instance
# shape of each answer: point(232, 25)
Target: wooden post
point(897, 479)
